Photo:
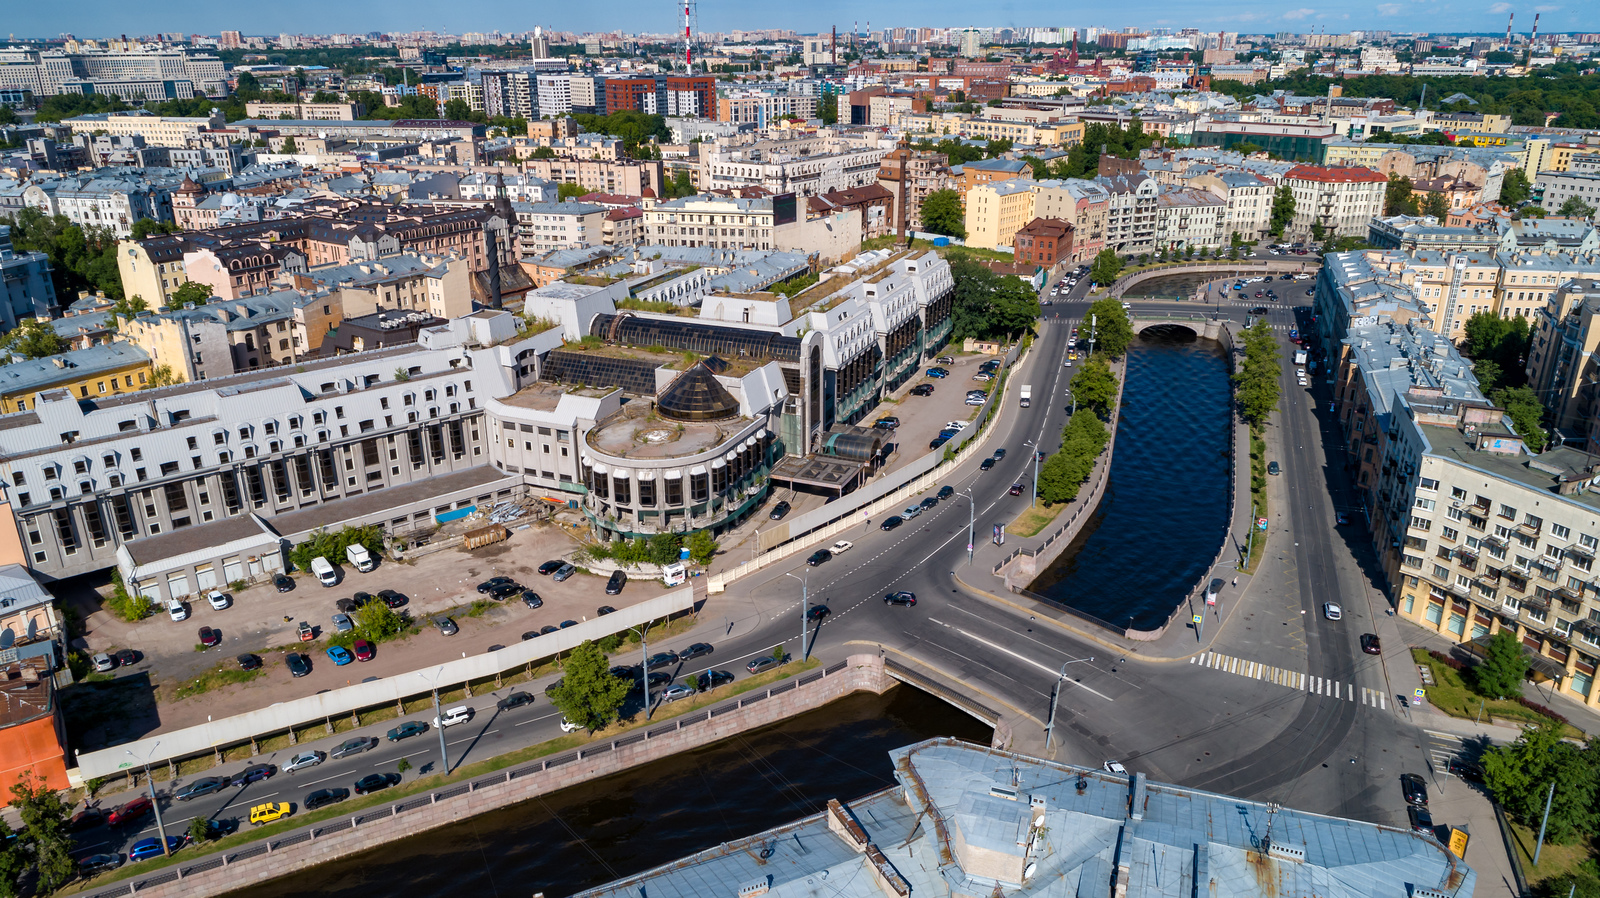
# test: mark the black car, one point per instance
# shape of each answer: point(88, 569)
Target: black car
point(816, 612)
point(254, 774)
point(998, 454)
point(900, 598)
point(656, 680)
point(351, 747)
point(1466, 770)
point(695, 651)
point(373, 782)
point(283, 583)
point(1415, 790)
point(625, 672)
point(1421, 820)
point(922, 390)
point(779, 510)
point(202, 786)
point(818, 557)
point(391, 598)
point(324, 797)
point(550, 567)
point(946, 492)
point(215, 829)
point(126, 657)
point(986, 464)
point(551, 688)
point(615, 582)
point(662, 659)
point(504, 591)
point(87, 819)
point(547, 629)
point(490, 584)
point(568, 623)
point(604, 610)
point(929, 502)
point(95, 864)
point(363, 599)
point(345, 606)
point(514, 700)
point(248, 661)
point(530, 634)
point(711, 679)
point(937, 442)
point(299, 665)
point(531, 599)
point(891, 522)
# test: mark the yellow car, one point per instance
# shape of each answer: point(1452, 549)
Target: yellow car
point(266, 813)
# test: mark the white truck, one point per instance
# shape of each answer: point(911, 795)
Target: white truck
point(358, 555)
point(1026, 395)
point(326, 575)
point(1299, 356)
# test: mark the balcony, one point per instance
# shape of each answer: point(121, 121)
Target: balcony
point(1529, 529)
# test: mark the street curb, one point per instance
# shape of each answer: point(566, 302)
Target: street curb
point(941, 674)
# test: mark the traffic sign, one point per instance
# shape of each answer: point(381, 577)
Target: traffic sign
point(1417, 692)
point(1197, 618)
point(1261, 523)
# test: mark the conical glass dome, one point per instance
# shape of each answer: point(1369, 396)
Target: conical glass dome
point(697, 396)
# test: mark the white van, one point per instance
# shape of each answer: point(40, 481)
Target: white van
point(178, 610)
point(674, 573)
point(453, 716)
point(326, 575)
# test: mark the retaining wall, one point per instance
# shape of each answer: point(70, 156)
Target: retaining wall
point(1232, 269)
point(265, 860)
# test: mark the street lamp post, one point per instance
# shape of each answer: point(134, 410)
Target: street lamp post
point(1036, 454)
point(972, 518)
point(155, 803)
point(644, 665)
point(1539, 845)
point(444, 756)
point(805, 609)
point(1055, 702)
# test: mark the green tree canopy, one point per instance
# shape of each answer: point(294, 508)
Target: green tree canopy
point(145, 227)
point(1502, 341)
point(942, 214)
point(1437, 205)
point(191, 292)
point(1514, 188)
point(1398, 198)
point(79, 259)
point(1282, 209)
point(46, 836)
point(1519, 777)
point(542, 153)
point(1575, 207)
point(1522, 406)
point(1110, 328)
point(567, 191)
point(32, 338)
point(1500, 675)
point(989, 306)
point(1256, 382)
point(332, 545)
point(1107, 265)
point(588, 694)
point(1094, 386)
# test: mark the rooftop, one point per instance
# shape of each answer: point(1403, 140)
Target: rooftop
point(638, 432)
point(543, 396)
point(36, 374)
point(1544, 472)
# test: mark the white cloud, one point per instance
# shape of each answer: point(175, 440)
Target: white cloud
point(1294, 14)
point(1388, 9)
point(1500, 8)
point(1545, 8)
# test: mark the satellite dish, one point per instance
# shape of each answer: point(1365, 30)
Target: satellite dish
point(8, 638)
point(33, 628)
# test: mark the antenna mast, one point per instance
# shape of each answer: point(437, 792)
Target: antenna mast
point(690, 13)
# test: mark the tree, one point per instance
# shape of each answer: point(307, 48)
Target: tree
point(542, 153)
point(941, 214)
point(457, 110)
point(1522, 406)
point(129, 308)
point(322, 544)
point(1107, 265)
point(191, 292)
point(1514, 188)
point(702, 547)
point(199, 829)
point(1500, 675)
point(1437, 205)
point(566, 191)
point(162, 376)
point(1519, 777)
point(1094, 386)
point(588, 694)
point(1575, 207)
point(828, 108)
point(378, 622)
point(32, 338)
point(1256, 382)
point(988, 305)
point(45, 831)
point(1282, 209)
point(288, 146)
point(145, 227)
point(1110, 328)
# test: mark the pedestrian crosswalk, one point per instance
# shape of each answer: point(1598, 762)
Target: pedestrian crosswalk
point(1292, 679)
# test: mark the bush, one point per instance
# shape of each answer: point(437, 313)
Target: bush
point(332, 545)
point(1541, 709)
point(128, 607)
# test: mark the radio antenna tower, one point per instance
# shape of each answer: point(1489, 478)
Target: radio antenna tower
point(691, 16)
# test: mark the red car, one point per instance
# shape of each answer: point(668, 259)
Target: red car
point(129, 812)
point(210, 637)
point(363, 649)
point(1016, 489)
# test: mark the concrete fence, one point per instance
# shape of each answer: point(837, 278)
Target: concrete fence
point(296, 851)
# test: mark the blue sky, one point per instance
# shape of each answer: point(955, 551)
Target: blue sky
point(99, 18)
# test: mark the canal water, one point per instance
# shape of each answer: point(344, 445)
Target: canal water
point(624, 824)
point(1165, 510)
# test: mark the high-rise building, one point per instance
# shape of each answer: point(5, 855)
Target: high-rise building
point(540, 44)
point(230, 40)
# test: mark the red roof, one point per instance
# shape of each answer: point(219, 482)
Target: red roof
point(1353, 174)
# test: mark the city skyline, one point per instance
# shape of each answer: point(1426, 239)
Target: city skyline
point(100, 18)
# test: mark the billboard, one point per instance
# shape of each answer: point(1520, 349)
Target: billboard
point(783, 209)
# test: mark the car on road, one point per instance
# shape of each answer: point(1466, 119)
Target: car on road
point(568, 726)
point(363, 650)
point(408, 729)
point(998, 454)
point(490, 584)
point(324, 797)
point(1115, 767)
point(922, 390)
point(817, 612)
point(563, 572)
point(391, 598)
point(1273, 468)
point(299, 664)
point(986, 464)
point(653, 680)
point(841, 547)
point(888, 422)
point(615, 582)
point(1465, 769)
point(1370, 644)
point(676, 691)
point(342, 623)
point(911, 511)
point(267, 813)
point(907, 599)
point(1332, 611)
point(1016, 489)
point(891, 522)
point(946, 492)
point(255, 773)
point(661, 659)
point(218, 600)
point(129, 812)
point(698, 650)
point(249, 661)
point(145, 849)
point(283, 583)
point(215, 829)
point(446, 626)
point(819, 557)
point(1414, 788)
point(352, 747)
point(375, 781)
point(202, 786)
point(87, 818)
point(1259, 310)
point(339, 655)
point(550, 567)
point(938, 373)
point(304, 760)
point(95, 864)
point(928, 503)
point(778, 511)
point(514, 700)
point(1340, 520)
point(452, 716)
point(765, 663)
point(711, 679)
point(210, 637)
point(1421, 820)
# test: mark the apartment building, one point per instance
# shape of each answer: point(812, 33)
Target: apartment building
point(1132, 209)
point(156, 130)
point(1562, 366)
point(1555, 188)
point(439, 286)
point(322, 112)
point(92, 373)
point(804, 167)
point(231, 336)
point(1247, 202)
point(763, 108)
point(711, 221)
point(996, 210)
point(918, 174)
point(630, 178)
point(1189, 218)
point(542, 227)
point(1055, 135)
point(1045, 242)
point(623, 227)
point(1342, 200)
point(28, 289)
point(1082, 204)
point(112, 201)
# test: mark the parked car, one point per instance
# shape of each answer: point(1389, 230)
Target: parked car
point(1467, 770)
point(364, 650)
point(218, 600)
point(374, 782)
point(563, 572)
point(938, 373)
point(351, 747)
point(129, 812)
point(104, 662)
point(891, 522)
point(1370, 644)
point(946, 360)
point(303, 760)
point(1332, 611)
point(339, 655)
point(568, 623)
point(911, 511)
point(929, 502)
point(407, 729)
point(676, 691)
point(568, 726)
point(662, 659)
point(615, 582)
point(514, 700)
point(447, 627)
point(778, 511)
point(888, 422)
point(531, 599)
point(267, 813)
point(283, 583)
point(841, 547)
point(922, 390)
point(95, 864)
point(299, 664)
point(1273, 469)
point(819, 557)
point(127, 657)
point(946, 492)
point(816, 612)
point(342, 623)
point(205, 785)
point(550, 567)
point(249, 661)
point(765, 663)
point(711, 679)
point(604, 610)
point(1421, 820)
point(489, 584)
point(145, 849)
point(504, 591)
point(1115, 767)
point(1414, 788)
point(215, 829)
point(324, 797)
point(939, 440)
point(449, 717)
point(210, 637)
point(907, 599)
point(255, 773)
point(391, 598)
point(697, 650)
point(87, 818)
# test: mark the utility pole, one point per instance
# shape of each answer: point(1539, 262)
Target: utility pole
point(805, 610)
point(1539, 845)
point(444, 756)
point(644, 665)
point(972, 517)
point(155, 803)
point(1055, 702)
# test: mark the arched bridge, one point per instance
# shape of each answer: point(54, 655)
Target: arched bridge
point(1200, 325)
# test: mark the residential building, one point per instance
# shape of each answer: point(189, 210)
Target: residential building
point(996, 210)
point(1188, 218)
point(919, 174)
point(326, 112)
point(712, 221)
point(1413, 233)
point(1080, 203)
point(1131, 213)
point(623, 227)
point(155, 130)
point(1562, 365)
point(542, 227)
point(1247, 199)
point(803, 166)
point(110, 200)
point(30, 292)
point(1364, 285)
point(1342, 200)
point(1045, 242)
point(1555, 188)
point(33, 730)
point(984, 171)
point(407, 282)
point(230, 336)
point(871, 203)
point(92, 373)
point(629, 177)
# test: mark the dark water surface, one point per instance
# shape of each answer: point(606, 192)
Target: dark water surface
point(588, 835)
point(1165, 511)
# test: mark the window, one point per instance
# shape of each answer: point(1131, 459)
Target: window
point(1424, 504)
point(1449, 533)
point(1560, 532)
point(1440, 572)
point(1532, 521)
point(1428, 483)
point(1508, 512)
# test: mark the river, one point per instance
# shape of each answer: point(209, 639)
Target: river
point(1165, 510)
point(588, 835)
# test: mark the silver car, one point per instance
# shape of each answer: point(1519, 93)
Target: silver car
point(304, 760)
point(353, 747)
point(563, 572)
